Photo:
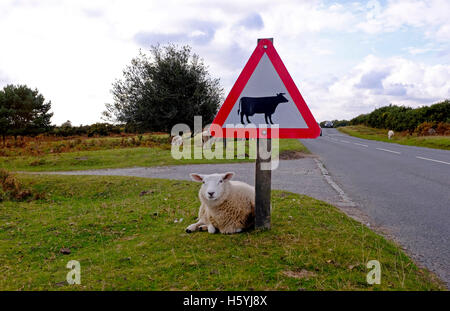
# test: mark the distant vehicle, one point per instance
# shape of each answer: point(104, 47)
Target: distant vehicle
point(328, 124)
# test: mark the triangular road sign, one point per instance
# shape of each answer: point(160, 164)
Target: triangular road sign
point(265, 95)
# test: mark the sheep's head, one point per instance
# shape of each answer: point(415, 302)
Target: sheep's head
point(214, 185)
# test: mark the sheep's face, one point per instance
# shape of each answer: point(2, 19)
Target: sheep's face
point(214, 185)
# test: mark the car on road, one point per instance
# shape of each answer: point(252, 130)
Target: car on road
point(328, 124)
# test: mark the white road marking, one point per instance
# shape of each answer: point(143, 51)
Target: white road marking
point(433, 160)
point(361, 145)
point(346, 201)
point(387, 150)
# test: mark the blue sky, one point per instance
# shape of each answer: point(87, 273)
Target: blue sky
point(346, 57)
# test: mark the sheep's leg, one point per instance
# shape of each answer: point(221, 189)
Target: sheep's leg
point(248, 120)
point(242, 117)
point(195, 227)
point(203, 228)
point(211, 228)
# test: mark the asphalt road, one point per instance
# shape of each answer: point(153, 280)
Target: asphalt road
point(404, 189)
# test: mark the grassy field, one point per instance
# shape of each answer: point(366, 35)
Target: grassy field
point(111, 157)
point(361, 131)
point(126, 239)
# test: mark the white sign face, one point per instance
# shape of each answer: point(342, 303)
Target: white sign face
point(265, 96)
point(265, 100)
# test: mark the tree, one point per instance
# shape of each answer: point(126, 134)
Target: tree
point(5, 119)
point(67, 124)
point(170, 86)
point(23, 111)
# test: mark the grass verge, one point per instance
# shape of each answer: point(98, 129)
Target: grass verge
point(119, 158)
point(361, 131)
point(126, 239)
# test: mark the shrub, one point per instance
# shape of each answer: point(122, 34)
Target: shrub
point(339, 123)
point(96, 129)
point(443, 128)
point(11, 188)
point(424, 128)
point(399, 118)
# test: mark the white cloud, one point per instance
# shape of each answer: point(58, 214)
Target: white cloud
point(73, 50)
point(430, 15)
point(4, 79)
point(421, 50)
point(377, 82)
point(443, 33)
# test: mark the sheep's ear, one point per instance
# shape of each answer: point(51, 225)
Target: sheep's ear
point(228, 176)
point(196, 177)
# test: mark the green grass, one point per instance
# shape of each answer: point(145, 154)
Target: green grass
point(361, 131)
point(125, 241)
point(117, 158)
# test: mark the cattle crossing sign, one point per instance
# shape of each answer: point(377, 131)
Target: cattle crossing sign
point(265, 99)
point(265, 95)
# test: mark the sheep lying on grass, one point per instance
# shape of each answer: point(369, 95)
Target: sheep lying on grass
point(390, 134)
point(227, 206)
point(177, 140)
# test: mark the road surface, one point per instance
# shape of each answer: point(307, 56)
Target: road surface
point(405, 189)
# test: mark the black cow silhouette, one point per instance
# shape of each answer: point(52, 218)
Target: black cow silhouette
point(248, 106)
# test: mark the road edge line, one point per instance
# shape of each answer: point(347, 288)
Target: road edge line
point(428, 159)
point(344, 198)
point(387, 150)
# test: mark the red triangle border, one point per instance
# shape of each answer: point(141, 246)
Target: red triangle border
point(266, 46)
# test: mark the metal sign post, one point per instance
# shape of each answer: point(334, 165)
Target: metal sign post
point(263, 183)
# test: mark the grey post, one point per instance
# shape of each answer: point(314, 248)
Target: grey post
point(263, 182)
point(271, 39)
point(263, 185)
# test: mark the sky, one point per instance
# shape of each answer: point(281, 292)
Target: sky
point(346, 57)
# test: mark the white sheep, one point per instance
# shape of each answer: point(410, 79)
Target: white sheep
point(227, 206)
point(390, 134)
point(177, 140)
point(201, 138)
point(205, 136)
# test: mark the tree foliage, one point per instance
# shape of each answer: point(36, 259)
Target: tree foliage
point(336, 123)
point(23, 111)
point(399, 118)
point(97, 129)
point(169, 86)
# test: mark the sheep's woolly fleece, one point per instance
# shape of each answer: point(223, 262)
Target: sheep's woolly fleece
point(231, 212)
